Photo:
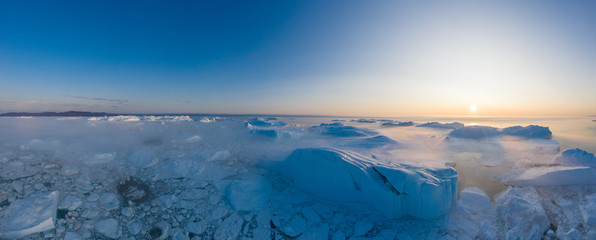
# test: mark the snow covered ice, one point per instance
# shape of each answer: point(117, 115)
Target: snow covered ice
point(246, 177)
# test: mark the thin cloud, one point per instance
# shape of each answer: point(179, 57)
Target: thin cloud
point(118, 101)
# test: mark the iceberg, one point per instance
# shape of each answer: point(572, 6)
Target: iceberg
point(397, 124)
point(573, 166)
point(555, 176)
point(531, 131)
point(395, 190)
point(576, 157)
point(474, 132)
point(453, 125)
point(340, 130)
point(363, 120)
point(36, 213)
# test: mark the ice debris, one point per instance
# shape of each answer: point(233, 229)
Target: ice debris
point(249, 193)
point(29, 215)
point(588, 210)
point(522, 213)
point(395, 190)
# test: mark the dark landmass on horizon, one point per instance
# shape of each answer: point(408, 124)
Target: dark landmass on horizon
point(103, 114)
point(57, 114)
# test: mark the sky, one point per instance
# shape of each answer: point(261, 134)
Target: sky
point(353, 58)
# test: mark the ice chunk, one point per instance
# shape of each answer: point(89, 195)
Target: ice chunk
point(531, 131)
point(362, 228)
point(576, 157)
point(572, 234)
point(72, 236)
point(100, 158)
point(396, 190)
point(474, 132)
point(230, 227)
point(453, 125)
point(33, 214)
point(264, 132)
point(108, 227)
point(521, 211)
point(143, 158)
point(207, 119)
point(258, 122)
point(249, 193)
point(555, 176)
point(70, 202)
point(339, 130)
point(295, 227)
point(109, 201)
point(195, 227)
point(220, 155)
point(473, 200)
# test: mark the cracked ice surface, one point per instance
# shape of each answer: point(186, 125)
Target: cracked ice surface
point(210, 177)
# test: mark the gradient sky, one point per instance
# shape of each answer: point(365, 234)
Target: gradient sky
point(367, 58)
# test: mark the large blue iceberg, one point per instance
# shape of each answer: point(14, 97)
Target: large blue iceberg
point(396, 190)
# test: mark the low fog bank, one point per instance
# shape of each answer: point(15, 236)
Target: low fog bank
point(290, 177)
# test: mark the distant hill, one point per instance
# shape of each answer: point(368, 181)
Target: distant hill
point(57, 114)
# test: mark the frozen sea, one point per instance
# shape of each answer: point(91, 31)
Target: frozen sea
point(292, 177)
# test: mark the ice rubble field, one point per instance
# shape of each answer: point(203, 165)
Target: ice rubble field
point(174, 177)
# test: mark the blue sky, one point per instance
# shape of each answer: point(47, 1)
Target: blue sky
point(386, 58)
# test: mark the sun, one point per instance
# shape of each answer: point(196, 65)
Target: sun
point(473, 108)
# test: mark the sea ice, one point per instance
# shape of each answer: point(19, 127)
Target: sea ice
point(395, 190)
point(29, 215)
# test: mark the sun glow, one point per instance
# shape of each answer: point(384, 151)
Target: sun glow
point(473, 108)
